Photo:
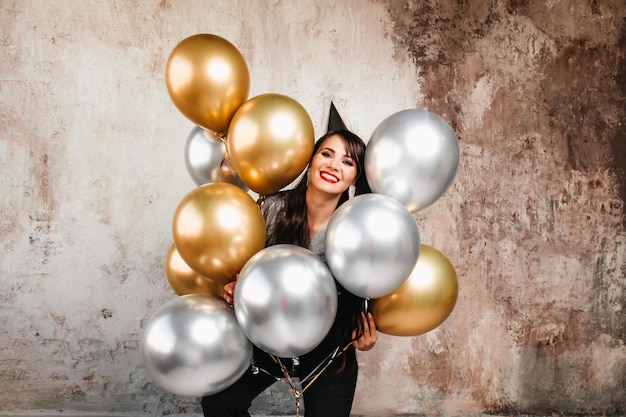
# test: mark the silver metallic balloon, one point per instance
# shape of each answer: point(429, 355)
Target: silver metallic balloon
point(194, 346)
point(206, 159)
point(412, 156)
point(372, 245)
point(285, 300)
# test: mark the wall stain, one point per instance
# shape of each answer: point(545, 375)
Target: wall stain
point(106, 313)
point(618, 141)
point(552, 131)
point(574, 104)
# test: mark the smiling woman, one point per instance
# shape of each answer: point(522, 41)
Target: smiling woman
point(300, 217)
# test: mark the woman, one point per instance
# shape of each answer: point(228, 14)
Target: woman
point(299, 217)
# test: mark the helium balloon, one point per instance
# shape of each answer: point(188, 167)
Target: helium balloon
point(193, 346)
point(206, 159)
point(372, 244)
point(208, 80)
point(217, 228)
point(412, 156)
point(270, 141)
point(285, 300)
point(423, 302)
point(185, 280)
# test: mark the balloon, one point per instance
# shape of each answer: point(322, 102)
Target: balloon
point(412, 156)
point(372, 244)
point(270, 142)
point(217, 228)
point(285, 300)
point(185, 280)
point(193, 346)
point(423, 302)
point(206, 159)
point(208, 80)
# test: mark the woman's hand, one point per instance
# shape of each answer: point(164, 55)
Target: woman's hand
point(229, 290)
point(368, 339)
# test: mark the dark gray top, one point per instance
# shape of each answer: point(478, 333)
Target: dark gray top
point(274, 206)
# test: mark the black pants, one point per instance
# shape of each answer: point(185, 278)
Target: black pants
point(331, 395)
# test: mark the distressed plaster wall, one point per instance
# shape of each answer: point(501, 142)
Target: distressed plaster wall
point(91, 169)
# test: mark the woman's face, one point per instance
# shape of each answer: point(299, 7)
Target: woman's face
point(332, 170)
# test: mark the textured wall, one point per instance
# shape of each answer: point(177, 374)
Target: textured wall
point(91, 169)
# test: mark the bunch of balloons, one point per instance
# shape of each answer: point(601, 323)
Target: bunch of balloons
point(412, 157)
point(196, 344)
point(373, 245)
point(261, 143)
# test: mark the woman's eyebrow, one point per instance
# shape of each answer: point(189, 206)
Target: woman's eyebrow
point(333, 151)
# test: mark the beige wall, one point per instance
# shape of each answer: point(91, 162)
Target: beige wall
point(91, 169)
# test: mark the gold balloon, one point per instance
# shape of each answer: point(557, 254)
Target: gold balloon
point(423, 301)
point(185, 280)
point(270, 141)
point(208, 80)
point(217, 227)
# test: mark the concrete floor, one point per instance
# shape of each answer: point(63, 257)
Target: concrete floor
point(71, 414)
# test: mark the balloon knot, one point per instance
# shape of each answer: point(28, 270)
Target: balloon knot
point(221, 136)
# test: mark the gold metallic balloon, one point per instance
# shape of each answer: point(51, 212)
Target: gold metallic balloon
point(208, 80)
point(185, 280)
point(270, 141)
point(217, 227)
point(423, 301)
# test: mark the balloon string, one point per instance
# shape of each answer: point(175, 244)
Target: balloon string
point(295, 391)
point(313, 376)
point(332, 358)
point(226, 167)
point(329, 358)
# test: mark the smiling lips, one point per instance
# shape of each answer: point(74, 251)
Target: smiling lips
point(328, 177)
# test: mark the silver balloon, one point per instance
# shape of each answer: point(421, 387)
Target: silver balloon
point(194, 346)
point(206, 159)
point(412, 156)
point(285, 300)
point(372, 245)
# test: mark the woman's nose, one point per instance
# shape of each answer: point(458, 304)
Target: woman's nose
point(333, 163)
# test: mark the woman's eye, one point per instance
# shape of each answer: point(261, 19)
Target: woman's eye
point(326, 154)
point(349, 162)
